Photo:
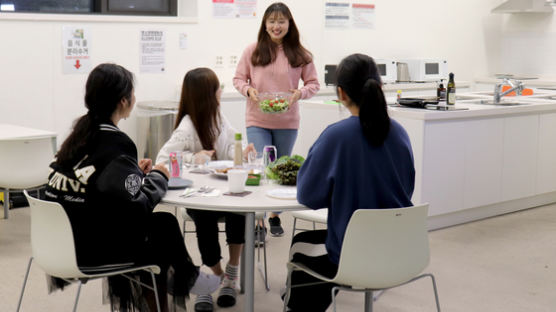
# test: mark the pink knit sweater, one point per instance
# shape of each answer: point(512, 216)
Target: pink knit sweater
point(278, 76)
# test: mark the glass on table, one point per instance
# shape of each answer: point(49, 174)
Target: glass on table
point(269, 155)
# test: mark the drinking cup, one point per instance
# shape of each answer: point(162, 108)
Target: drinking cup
point(174, 164)
point(236, 180)
point(269, 154)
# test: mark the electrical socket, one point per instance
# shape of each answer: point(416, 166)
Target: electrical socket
point(219, 61)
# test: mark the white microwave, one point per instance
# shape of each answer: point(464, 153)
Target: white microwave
point(426, 69)
point(387, 70)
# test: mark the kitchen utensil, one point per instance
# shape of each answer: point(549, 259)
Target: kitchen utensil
point(416, 102)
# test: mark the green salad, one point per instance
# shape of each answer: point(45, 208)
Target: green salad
point(284, 169)
point(277, 105)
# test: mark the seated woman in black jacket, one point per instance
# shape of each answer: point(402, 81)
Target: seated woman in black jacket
point(109, 197)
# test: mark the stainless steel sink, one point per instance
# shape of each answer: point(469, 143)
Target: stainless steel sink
point(491, 102)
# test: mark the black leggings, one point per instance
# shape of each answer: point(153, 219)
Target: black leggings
point(165, 247)
point(314, 298)
point(206, 226)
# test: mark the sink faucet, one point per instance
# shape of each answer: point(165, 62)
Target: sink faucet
point(516, 86)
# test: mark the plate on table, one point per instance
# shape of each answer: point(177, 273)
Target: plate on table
point(282, 193)
point(179, 183)
point(220, 168)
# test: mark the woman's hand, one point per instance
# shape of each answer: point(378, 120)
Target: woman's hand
point(146, 165)
point(253, 94)
point(162, 168)
point(296, 95)
point(203, 157)
point(248, 149)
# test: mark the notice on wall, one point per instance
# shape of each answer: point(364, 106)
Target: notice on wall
point(363, 15)
point(234, 8)
point(337, 14)
point(76, 42)
point(152, 51)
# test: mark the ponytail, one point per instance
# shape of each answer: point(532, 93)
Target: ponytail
point(73, 147)
point(373, 114)
point(358, 76)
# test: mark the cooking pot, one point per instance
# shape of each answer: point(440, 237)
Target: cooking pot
point(403, 72)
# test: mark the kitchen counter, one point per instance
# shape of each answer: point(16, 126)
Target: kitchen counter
point(470, 164)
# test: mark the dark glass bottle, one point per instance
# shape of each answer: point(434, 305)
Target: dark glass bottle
point(451, 91)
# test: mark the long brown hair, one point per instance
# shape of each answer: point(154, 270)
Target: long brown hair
point(265, 52)
point(198, 100)
point(106, 86)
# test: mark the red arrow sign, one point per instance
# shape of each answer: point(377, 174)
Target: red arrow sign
point(77, 65)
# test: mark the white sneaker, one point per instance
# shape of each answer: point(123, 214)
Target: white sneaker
point(205, 284)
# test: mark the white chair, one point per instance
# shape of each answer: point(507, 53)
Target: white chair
point(24, 164)
point(53, 249)
point(382, 249)
point(314, 216)
point(258, 216)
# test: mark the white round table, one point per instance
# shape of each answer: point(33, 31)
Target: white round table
point(258, 200)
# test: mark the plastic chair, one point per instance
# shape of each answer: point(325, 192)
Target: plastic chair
point(258, 216)
point(24, 165)
point(315, 216)
point(382, 249)
point(53, 249)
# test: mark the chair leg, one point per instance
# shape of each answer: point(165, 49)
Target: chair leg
point(155, 289)
point(294, 222)
point(377, 294)
point(435, 292)
point(369, 301)
point(333, 294)
point(6, 203)
point(24, 283)
point(267, 285)
point(288, 287)
point(77, 296)
point(314, 226)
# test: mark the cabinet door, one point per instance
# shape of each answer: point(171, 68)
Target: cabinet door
point(546, 165)
point(443, 166)
point(520, 156)
point(483, 162)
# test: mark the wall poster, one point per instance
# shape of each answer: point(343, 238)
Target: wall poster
point(234, 8)
point(76, 42)
point(152, 51)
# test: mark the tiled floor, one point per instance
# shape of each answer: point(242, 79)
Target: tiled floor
point(506, 263)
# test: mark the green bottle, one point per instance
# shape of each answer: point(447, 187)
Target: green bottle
point(451, 91)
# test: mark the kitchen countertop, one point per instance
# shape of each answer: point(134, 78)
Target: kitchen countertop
point(535, 104)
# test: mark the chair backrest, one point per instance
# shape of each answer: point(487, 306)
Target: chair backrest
point(24, 163)
point(384, 248)
point(52, 241)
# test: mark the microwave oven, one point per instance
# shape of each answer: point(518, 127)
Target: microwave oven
point(426, 69)
point(387, 70)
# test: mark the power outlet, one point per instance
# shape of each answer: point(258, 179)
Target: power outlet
point(233, 60)
point(219, 61)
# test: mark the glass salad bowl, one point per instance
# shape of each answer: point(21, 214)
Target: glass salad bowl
point(274, 103)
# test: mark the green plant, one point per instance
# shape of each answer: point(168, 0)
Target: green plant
point(285, 169)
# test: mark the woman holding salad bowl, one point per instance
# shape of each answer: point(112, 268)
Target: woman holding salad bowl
point(275, 63)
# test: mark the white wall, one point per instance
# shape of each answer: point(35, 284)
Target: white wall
point(34, 92)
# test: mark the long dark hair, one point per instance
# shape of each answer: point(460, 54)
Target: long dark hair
point(358, 76)
point(265, 52)
point(106, 86)
point(198, 100)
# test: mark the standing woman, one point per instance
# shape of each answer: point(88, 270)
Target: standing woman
point(109, 198)
point(275, 63)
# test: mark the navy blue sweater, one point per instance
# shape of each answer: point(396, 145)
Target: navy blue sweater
point(344, 172)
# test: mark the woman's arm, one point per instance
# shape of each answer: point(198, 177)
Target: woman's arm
point(310, 81)
point(182, 139)
point(243, 73)
point(315, 178)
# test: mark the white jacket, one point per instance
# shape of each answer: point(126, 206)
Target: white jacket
point(185, 138)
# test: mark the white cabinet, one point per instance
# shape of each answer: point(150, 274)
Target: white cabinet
point(443, 171)
point(483, 161)
point(520, 156)
point(546, 166)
